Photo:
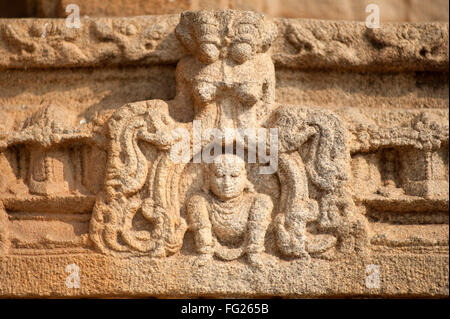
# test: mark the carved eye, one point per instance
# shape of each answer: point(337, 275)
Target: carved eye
point(235, 175)
point(207, 32)
point(219, 175)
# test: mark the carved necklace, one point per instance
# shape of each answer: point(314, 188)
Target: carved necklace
point(230, 207)
point(230, 217)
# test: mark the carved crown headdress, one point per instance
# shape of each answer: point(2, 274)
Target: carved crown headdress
point(211, 35)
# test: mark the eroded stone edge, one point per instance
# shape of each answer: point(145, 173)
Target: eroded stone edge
point(150, 40)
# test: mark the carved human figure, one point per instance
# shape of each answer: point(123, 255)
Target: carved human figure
point(228, 212)
point(228, 78)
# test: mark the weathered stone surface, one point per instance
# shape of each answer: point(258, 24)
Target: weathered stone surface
point(89, 178)
point(151, 40)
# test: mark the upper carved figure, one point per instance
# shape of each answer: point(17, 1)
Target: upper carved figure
point(228, 76)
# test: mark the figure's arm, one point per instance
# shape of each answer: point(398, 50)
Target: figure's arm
point(258, 222)
point(199, 223)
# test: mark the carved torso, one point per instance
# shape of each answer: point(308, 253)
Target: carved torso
point(229, 219)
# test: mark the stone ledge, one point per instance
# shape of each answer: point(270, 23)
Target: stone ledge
point(150, 40)
point(405, 275)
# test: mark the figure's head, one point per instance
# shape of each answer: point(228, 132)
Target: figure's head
point(211, 35)
point(227, 176)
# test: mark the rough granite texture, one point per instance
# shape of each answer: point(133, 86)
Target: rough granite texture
point(87, 122)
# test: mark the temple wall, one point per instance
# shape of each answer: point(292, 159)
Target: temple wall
point(382, 93)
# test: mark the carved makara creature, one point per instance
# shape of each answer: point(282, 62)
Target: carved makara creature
point(124, 195)
point(313, 147)
point(226, 81)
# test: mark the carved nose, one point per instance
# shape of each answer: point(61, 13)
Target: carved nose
point(227, 181)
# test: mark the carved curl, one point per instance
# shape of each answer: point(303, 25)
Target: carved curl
point(320, 138)
point(127, 172)
point(327, 161)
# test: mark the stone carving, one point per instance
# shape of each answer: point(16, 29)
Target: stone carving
point(51, 170)
point(335, 45)
point(201, 82)
point(229, 80)
point(100, 40)
point(412, 169)
point(216, 35)
point(327, 166)
point(229, 211)
point(426, 132)
point(150, 40)
point(84, 181)
point(127, 172)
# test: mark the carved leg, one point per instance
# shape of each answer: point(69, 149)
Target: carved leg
point(299, 239)
point(291, 231)
point(201, 226)
point(259, 220)
point(296, 207)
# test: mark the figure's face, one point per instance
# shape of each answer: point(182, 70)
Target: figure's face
point(228, 179)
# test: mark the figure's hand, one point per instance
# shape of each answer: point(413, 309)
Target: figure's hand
point(256, 260)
